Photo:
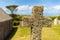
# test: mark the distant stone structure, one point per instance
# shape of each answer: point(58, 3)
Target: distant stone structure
point(36, 22)
point(56, 21)
point(5, 24)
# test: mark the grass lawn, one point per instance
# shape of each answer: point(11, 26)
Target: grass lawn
point(52, 33)
point(48, 33)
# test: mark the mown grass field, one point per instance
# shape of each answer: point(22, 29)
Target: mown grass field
point(48, 33)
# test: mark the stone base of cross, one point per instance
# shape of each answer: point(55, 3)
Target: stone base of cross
point(36, 21)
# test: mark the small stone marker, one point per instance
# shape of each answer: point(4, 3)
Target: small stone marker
point(36, 21)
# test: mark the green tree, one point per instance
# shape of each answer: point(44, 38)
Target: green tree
point(12, 8)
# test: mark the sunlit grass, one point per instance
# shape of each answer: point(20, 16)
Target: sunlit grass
point(21, 33)
point(56, 28)
point(48, 33)
point(51, 33)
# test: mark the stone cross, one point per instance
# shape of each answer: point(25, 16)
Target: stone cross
point(36, 21)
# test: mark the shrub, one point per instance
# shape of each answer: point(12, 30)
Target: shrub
point(58, 17)
point(52, 17)
point(16, 23)
point(16, 19)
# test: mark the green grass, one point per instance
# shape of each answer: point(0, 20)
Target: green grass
point(24, 31)
point(51, 33)
point(21, 32)
point(56, 28)
point(48, 33)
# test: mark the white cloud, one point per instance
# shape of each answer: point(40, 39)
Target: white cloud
point(24, 7)
point(52, 9)
point(30, 7)
point(57, 7)
point(45, 8)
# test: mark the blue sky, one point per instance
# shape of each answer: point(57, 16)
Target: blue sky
point(51, 7)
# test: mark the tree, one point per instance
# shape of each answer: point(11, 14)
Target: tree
point(12, 8)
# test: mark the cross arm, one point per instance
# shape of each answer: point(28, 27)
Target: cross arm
point(27, 21)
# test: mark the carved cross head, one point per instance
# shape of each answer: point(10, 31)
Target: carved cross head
point(37, 18)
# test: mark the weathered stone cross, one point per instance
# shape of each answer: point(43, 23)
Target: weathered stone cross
point(36, 21)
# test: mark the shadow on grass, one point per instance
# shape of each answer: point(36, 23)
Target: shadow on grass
point(11, 34)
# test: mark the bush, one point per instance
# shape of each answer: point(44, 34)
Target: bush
point(16, 19)
point(58, 17)
point(16, 23)
point(52, 17)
